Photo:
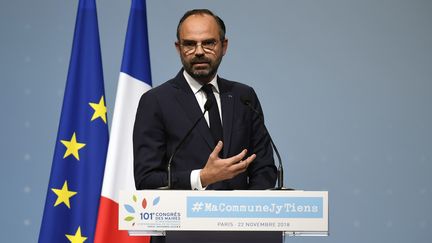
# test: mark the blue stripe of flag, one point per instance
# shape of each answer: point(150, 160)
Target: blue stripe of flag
point(136, 61)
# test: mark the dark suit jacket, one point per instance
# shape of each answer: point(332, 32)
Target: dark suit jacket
point(167, 112)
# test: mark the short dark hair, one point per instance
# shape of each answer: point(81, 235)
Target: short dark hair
point(219, 21)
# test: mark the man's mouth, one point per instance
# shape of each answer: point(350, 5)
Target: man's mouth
point(200, 64)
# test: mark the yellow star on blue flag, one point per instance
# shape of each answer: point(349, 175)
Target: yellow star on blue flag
point(72, 147)
point(100, 110)
point(63, 195)
point(77, 238)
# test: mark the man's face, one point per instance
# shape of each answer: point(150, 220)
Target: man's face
point(200, 47)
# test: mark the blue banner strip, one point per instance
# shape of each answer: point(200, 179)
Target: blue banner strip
point(254, 207)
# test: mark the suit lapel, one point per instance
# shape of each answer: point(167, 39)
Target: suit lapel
point(227, 104)
point(187, 100)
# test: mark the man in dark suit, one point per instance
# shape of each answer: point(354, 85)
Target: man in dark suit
point(229, 149)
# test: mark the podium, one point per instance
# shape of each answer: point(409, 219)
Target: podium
point(224, 216)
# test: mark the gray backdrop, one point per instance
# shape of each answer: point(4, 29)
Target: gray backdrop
point(345, 85)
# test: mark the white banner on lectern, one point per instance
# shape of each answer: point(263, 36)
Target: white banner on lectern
point(173, 210)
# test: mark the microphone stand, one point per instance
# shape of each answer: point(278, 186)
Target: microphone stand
point(280, 173)
point(207, 106)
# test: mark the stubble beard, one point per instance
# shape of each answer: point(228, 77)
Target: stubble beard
point(201, 74)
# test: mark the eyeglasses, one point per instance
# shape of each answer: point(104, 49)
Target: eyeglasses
point(190, 46)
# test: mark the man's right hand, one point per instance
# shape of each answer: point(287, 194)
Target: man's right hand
point(217, 169)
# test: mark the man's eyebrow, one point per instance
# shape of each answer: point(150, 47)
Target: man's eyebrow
point(189, 40)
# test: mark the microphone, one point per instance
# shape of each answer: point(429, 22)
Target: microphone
point(207, 107)
point(246, 101)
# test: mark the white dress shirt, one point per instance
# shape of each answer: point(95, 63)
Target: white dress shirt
point(201, 97)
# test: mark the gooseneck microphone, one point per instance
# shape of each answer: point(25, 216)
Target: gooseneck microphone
point(207, 107)
point(246, 101)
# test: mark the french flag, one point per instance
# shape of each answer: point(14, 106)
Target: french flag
point(134, 80)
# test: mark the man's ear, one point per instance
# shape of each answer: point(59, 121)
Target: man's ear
point(224, 46)
point(177, 46)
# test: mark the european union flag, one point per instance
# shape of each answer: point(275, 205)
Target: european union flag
point(79, 159)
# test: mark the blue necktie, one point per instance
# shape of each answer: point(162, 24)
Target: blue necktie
point(214, 117)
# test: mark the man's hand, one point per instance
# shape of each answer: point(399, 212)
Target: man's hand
point(217, 169)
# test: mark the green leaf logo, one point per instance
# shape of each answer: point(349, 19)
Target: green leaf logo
point(129, 218)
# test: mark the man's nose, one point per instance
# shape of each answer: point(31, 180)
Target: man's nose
point(199, 51)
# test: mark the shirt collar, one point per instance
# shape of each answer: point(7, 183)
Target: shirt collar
point(196, 86)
